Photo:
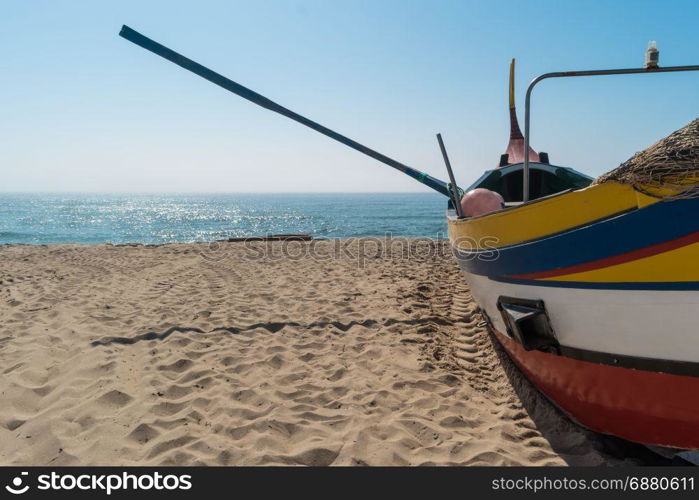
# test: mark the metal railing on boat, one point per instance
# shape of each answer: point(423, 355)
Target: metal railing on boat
point(567, 74)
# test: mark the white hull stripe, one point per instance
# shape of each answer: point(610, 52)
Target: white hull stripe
point(634, 327)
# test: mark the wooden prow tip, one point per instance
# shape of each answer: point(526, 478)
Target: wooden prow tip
point(515, 148)
point(512, 84)
point(515, 132)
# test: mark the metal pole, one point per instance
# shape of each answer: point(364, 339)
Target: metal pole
point(564, 74)
point(452, 181)
point(252, 96)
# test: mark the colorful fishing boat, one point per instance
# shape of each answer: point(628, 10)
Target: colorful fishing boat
point(591, 288)
point(594, 294)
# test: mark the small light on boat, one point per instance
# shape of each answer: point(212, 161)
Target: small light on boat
point(652, 55)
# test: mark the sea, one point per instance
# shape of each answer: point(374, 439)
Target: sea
point(47, 218)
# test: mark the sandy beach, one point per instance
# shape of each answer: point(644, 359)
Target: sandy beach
point(304, 353)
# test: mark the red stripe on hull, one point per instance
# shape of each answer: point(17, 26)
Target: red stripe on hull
point(641, 406)
point(649, 251)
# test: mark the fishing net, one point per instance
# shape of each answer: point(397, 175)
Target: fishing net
point(670, 165)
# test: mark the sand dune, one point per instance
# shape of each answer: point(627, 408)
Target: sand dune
point(215, 354)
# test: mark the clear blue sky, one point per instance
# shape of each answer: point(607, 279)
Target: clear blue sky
point(85, 110)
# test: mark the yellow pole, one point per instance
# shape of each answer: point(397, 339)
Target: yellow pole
point(512, 84)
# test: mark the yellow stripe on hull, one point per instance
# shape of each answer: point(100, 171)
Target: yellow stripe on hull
point(675, 265)
point(547, 216)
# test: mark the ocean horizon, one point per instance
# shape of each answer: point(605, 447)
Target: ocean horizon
point(156, 218)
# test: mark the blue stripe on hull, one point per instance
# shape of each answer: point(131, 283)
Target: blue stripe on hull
point(662, 285)
point(657, 223)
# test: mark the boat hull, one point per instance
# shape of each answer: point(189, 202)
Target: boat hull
point(616, 274)
point(638, 405)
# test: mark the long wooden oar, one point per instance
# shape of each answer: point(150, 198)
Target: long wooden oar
point(455, 195)
point(220, 80)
